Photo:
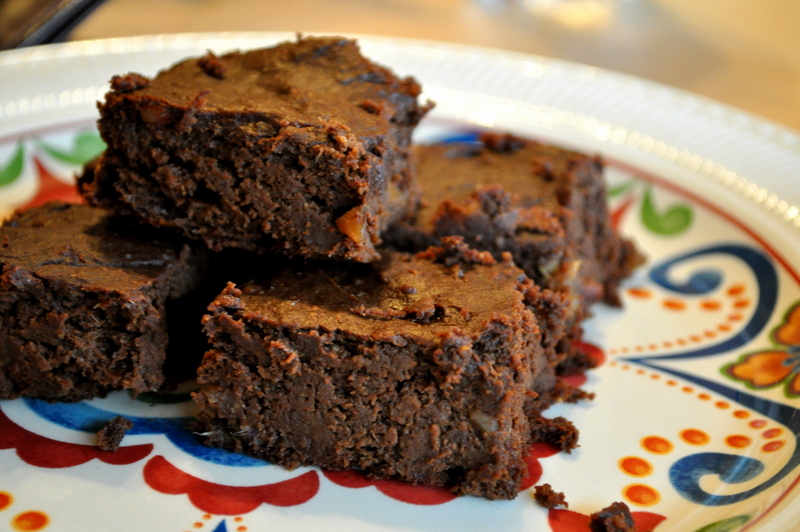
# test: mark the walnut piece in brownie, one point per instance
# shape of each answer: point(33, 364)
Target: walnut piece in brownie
point(548, 497)
point(543, 204)
point(301, 149)
point(614, 518)
point(418, 368)
point(110, 436)
point(82, 302)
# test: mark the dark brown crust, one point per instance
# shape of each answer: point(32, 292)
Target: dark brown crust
point(301, 149)
point(82, 302)
point(546, 496)
point(614, 518)
point(110, 436)
point(418, 369)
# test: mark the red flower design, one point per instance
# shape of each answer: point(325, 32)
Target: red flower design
point(431, 495)
point(43, 452)
point(401, 491)
point(593, 352)
point(220, 499)
point(50, 188)
point(569, 521)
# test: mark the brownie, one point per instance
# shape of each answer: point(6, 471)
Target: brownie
point(83, 298)
point(543, 204)
point(301, 149)
point(546, 496)
point(614, 518)
point(417, 368)
point(110, 436)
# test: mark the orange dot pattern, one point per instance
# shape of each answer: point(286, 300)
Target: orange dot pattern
point(772, 446)
point(674, 304)
point(635, 466)
point(736, 302)
point(657, 445)
point(710, 304)
point(641, 495)
point(5, 500)
point(197, 525)
point(642, 293)
point(736, 290)
point(738, 441)
point(695, 437)
point(27, 521)
point(30, 521)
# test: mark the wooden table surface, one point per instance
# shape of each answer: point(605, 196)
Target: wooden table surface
point(745, 53)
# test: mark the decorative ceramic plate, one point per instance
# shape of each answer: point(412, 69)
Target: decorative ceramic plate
point(695, 425)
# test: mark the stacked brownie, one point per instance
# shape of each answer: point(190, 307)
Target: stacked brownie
point(300, 149)
point(543, 204)
point(83, 302)
point(428, 359)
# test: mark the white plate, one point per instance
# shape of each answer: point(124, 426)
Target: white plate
point(695, 424)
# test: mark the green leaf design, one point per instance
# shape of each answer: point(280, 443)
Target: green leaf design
point(726, 525)
point(13, 169)
point(620, 189)
point(673, 221)
point(85, 147)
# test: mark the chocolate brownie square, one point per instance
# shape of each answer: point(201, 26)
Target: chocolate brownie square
point(543, 204)
point(83, 297)
point(301, 149)
point(419, 368)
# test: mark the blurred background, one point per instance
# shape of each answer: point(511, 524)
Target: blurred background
point(745, 53)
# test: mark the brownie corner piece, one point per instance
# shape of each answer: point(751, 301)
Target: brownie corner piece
point(418, 368)
point(544, 204)
point(301, 149)
point(83, 296)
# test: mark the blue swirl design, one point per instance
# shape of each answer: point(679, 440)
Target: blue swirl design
point(705, 281)
point(701, 282)
point(685, 474)
point(88, 418)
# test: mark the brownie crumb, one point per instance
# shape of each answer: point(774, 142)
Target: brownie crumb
point(212, 66)
point(548, 497)
point(557, 431)
point(110, 436)
point(454, 251)
point(195, 105)
point(129, 82)
point(615, 518)
point(502, 143)
point(565, 393)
